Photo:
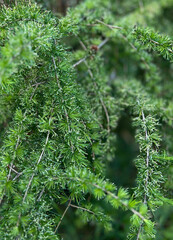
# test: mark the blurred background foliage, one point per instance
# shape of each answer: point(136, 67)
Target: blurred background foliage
point(59, 6)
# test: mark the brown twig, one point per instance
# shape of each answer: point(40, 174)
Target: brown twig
point(84, 209)
point(56, 229)
point(109, 26)
point(11, 165)
point(103, 43)
point(18, 175)
point(41, 194)
point(79, 62)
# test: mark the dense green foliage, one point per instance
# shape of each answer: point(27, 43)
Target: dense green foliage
point(66, 84)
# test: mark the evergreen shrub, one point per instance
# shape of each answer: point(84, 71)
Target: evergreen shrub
point(65, 85)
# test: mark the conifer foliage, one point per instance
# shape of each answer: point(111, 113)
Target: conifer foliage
point(65, 83)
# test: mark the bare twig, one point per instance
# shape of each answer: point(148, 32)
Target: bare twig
point(84, 209)
point(79, 62)
point(11, 165)
point(56, 75)
point(83, 45)
point(41, 194)
point(12, 169)
point(109, 26)
point(33, 92)
point(37, 84)
point(103, 43)
point(139, 231)
point(18, 175)
point(170, 50)
point(56, 229)
point(92, 25)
